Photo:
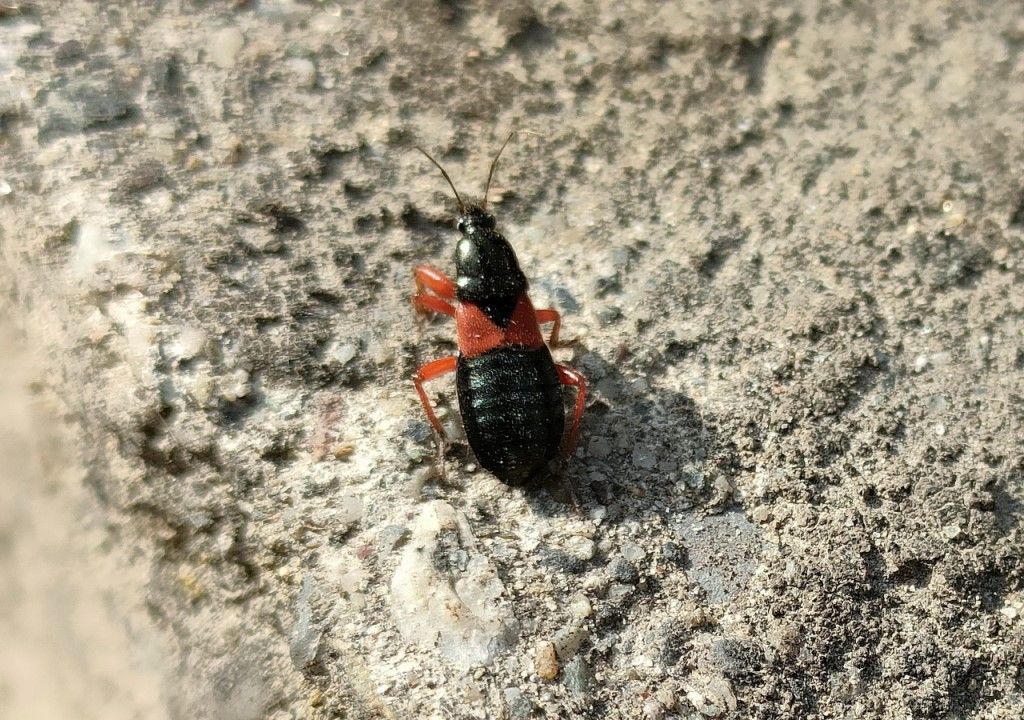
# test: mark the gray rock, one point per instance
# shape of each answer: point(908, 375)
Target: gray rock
point(68, 53)
point(618, 593)
point(391, 537)
point(84, 104)
point(621, 570)
point(517, 705)
point(568, 640)
point(578, 676)
point(304, 642)
point(644, 458)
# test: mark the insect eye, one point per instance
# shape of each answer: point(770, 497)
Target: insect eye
point(462, 225)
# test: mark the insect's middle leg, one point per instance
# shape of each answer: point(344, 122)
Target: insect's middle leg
point(442, 291)
point(568, 376)
point(432, 370)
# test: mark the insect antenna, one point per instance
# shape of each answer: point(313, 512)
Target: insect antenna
point(494, 164)
point(462, 205)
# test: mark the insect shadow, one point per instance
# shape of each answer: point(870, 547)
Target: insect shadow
point(643, 450)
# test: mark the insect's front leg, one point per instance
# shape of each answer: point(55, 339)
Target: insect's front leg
point(441, 291)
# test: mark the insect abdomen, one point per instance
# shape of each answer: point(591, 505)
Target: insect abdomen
point(511, 402)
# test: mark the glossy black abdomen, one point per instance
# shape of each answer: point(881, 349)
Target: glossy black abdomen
point(511, 402)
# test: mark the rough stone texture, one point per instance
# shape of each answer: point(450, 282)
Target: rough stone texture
point(787, 240)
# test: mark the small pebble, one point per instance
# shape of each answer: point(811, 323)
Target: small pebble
point(618, 593)
point(225, 45)
point(519, 706)
point(235, 386)
point(349, 511)
point(5, 188)
point(69, 53)
point(599, 447)
point(622, 571)
point(666, 695)
point(580, 547)
point(578, 676)
point(696, 699)
point(304, 642)
point(673, 553)
point(568, 640)
point(693, 618)
point(342, 451)
point(545, 661)
point(653, 710)
point(191, 341)
point(418, 480)
point(391, 537)
point(343, 354)
point(632, 552)
point(581, 607)
point(644, 458)
point(302, 71)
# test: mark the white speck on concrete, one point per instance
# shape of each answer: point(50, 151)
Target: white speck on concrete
point(225, 45)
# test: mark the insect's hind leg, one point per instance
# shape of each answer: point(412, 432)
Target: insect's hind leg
point(568, 376)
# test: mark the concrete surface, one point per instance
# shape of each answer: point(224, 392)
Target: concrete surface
point(787, 242)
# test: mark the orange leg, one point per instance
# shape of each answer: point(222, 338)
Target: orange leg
point(432, 370)
point(441, 290)
point(434, 280)
point(424, 302)
point(568, 376)
point(550, 315)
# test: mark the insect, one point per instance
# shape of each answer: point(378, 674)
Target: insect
point(509, 386)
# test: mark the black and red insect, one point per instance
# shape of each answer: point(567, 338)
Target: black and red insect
point(509, 386)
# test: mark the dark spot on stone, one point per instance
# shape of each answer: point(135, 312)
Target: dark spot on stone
point(69, 53)
point(143, 177)
point(85, 105)
point(561, 560)
point(1017, 217)
point(915, 573)
point(286, 220)
point(740, 660)
point(530, 35)
point(621, 570)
